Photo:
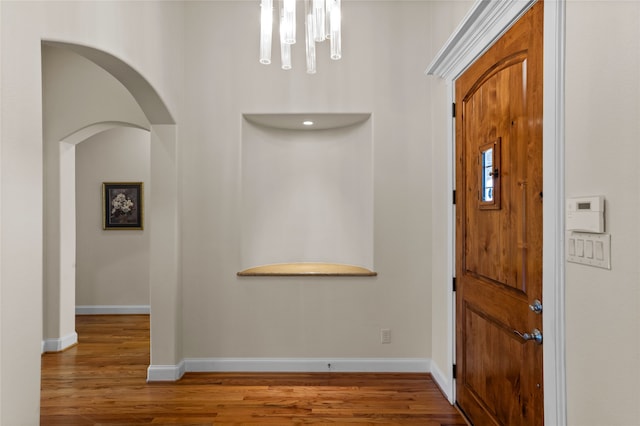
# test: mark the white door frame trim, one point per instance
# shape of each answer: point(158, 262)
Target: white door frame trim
point(482, 26)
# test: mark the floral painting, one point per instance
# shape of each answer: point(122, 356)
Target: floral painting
point(122, 205)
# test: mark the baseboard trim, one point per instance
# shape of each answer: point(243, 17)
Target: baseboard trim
point(59, 344)
point(310, 365)
point(113, 309)
point(165, 373)
point(289, 365)
point(444, 382)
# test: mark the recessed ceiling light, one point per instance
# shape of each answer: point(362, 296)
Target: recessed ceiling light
point(308, 123)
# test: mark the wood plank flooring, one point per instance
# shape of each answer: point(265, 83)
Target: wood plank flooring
point(102, 381)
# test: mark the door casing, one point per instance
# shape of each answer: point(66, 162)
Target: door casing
point(483, 24)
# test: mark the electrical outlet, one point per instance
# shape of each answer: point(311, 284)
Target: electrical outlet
point(385, 335)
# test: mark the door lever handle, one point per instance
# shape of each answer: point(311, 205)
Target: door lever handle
point(535, 335)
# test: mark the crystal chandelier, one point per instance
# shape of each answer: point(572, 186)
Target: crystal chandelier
point(322, 21)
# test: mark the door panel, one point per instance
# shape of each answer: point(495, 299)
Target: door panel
point(494, 381)
point(492, 245)
point(499, 229)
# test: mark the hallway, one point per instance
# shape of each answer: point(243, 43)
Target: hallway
point(102, 381)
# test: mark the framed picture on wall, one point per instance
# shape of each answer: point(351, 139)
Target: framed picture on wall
point(122, 205)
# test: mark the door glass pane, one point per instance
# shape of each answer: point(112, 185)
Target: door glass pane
point(487, 175)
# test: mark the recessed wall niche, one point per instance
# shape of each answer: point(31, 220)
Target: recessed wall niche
point(307, 191)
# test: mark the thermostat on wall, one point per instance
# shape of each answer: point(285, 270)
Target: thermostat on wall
point(586, 214)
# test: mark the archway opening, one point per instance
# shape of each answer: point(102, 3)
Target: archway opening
point(60, 135)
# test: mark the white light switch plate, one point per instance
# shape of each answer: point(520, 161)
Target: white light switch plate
point(589, 249)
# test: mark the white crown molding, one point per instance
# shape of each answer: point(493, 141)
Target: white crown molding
point(59, 344)
point(289, 365)
point(113, 310)
point(481, 27)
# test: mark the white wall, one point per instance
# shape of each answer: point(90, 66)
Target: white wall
point(21, 229)
point(602, 155)
point(125, 29)
point(381, 72)
point(78, 93)
point(386, 46)
point(112, 265)
point(444, 18)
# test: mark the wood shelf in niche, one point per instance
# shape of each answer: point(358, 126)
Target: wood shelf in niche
point(307, 269)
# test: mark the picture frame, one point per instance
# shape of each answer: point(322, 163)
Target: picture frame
point(122, 205)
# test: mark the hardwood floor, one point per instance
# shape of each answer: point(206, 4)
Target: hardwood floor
point(102, 381)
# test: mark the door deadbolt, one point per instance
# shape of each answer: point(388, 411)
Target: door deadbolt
point(536, 306)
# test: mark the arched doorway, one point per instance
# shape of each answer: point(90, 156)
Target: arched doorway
point(161, 219)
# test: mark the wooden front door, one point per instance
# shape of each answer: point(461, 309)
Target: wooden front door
point(499, 230)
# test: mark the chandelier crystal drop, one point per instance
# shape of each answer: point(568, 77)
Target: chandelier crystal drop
point(310, 42)
point(322, 21)
point(285, 48)
point(266, 30)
